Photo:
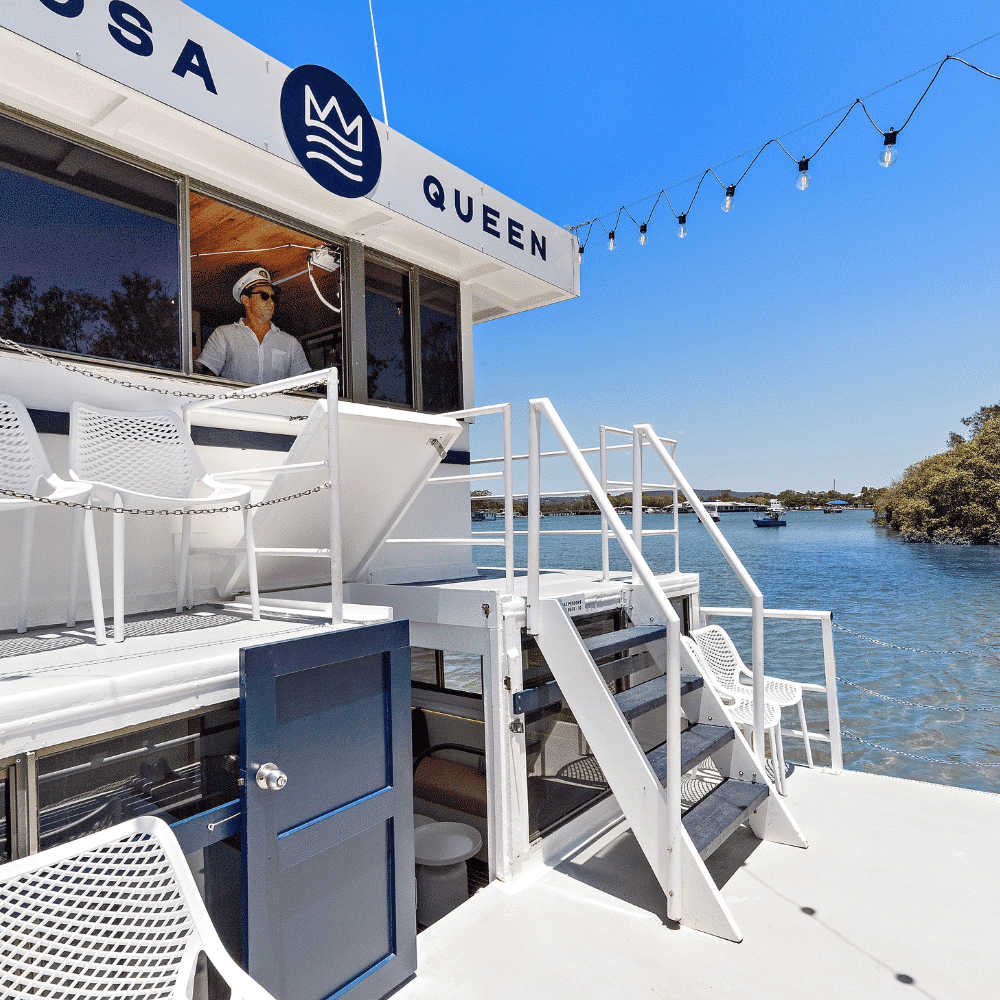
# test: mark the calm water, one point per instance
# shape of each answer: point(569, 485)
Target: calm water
point(925, 597)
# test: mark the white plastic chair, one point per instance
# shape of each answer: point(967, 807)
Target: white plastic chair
point(146, 460)
point(116, 913)
point(783, 693)
point(24, 467)
point(717, 671)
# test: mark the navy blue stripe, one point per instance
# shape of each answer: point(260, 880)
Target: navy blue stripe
point(457, 458)
point(57, 422)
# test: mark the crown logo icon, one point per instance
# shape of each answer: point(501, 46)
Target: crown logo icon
point(316, 118)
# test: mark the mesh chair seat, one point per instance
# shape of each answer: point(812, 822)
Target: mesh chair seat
point(24, 467)
point(116, 913)
point(147, 460)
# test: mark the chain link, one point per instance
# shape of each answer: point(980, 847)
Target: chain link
point(916, 756)
point(135, 510)
point(914, 704)
point(910, 649)
point(240, 394)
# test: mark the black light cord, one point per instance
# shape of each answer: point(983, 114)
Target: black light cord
point(758, 150)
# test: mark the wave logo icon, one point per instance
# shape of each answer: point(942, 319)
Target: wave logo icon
point(330, 131)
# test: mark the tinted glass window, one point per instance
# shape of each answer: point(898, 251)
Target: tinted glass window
point(387, 327)
point(440, 357)
point(90, 259)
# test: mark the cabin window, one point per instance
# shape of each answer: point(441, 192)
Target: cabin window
point(90, 261)
point(226, 242)
point(440, 354)
point(388, 334)
point(458, 673)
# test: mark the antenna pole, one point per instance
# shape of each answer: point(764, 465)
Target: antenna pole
point(378, 64)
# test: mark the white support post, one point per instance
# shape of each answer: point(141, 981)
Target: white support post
point(534, 513)
point(333, 470)
point(677, 523)
point(636, 494)
point(605, 558)
point(832, 705)
point(508, 499)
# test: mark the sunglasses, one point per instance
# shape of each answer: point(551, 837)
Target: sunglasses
point(266, 296)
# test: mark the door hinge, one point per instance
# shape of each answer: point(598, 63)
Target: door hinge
point(517, 726)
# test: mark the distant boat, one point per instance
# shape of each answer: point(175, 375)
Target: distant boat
point(835, 507)
point(712, 510)
point(773, 518)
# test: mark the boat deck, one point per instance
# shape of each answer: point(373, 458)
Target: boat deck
point(895, 896)
point(58, 685)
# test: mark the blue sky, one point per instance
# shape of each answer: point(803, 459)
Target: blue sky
point(836, 333)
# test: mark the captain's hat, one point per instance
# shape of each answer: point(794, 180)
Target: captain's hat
point(254, 276)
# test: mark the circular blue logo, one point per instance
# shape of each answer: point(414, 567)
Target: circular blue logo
point(330, 131)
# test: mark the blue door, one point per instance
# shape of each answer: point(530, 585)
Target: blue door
point(328, 813)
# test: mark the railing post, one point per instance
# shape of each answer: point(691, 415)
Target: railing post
point(677, 521)
point(756, 597)
point(832, 705)
point(636, 494)
point(605, 561)
point(508, 498)
point(757, 650)
point(333, 470)
point(534, 512)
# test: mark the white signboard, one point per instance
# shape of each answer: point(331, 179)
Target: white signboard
point(166, 50)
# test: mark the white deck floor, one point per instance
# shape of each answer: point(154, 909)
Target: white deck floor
point(897, 895)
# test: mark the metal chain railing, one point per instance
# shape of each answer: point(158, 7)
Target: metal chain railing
point(916, 756)
point(239, 394)
point(914, 704)
point(136, 510)
point(909, 649)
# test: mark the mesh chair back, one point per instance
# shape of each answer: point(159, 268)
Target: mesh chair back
point(147, 452)
point(109, 921)
point(114, 914)
point(22, 461)
point(720, 657)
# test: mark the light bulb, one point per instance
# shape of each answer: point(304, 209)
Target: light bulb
point(888, 155)
point(803, 180)
point(642, 235)
point(682, 230)
point(727, 205)
point(611, 240)
point(582, 248)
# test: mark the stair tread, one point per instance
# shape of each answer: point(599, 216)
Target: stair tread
point(697, 743)
point(712, 820)
point(643, 697)
point(610, 643)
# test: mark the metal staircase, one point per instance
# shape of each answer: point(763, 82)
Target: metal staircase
point(637, 778)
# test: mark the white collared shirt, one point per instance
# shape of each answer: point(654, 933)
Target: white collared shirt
point(234, 352)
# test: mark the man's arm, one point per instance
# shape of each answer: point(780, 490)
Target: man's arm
point(213, 354)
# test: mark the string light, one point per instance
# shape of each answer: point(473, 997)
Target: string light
point(803, 180)
point(886, 158)
point(888, 155)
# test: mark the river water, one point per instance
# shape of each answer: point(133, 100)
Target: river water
point(937, 601)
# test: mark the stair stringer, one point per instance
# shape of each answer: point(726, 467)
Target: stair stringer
point(633, 782)
point(771, 820)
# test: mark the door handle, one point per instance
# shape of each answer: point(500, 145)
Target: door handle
point(270, 777)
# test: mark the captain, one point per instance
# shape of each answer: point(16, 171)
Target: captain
point(253, 349)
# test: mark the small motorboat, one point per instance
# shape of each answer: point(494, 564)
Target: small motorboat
point(773, 516)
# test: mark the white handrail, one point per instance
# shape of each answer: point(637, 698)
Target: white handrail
point(330, 378)
point(756, 597)
point(536, 407)
point(825, 618)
